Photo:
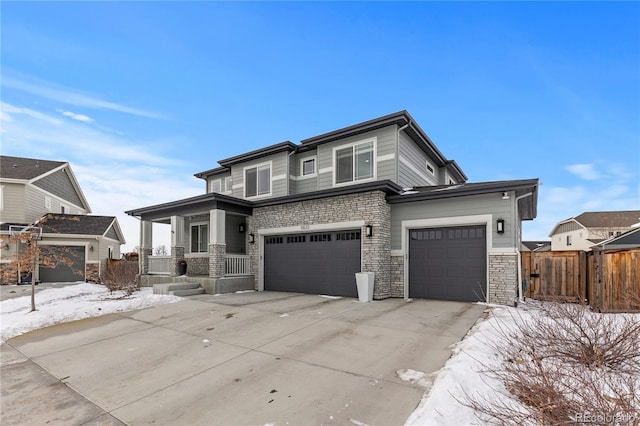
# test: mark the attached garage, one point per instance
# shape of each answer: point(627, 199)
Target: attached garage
point(316, 263)
point(74, 255)
point(448, 263)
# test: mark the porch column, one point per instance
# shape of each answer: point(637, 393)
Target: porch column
point(146, 245)
point(177, 242)
point(217, 244)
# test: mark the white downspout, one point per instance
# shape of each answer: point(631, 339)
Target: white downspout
point(519, 260)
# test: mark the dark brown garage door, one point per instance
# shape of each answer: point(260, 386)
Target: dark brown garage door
point(318, 263)
point(448, 263)
point(63, 272)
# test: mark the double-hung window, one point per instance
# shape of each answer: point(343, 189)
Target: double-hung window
point(216, 186)
point(354, 163)
point(200, 238)
point(257, 180)
point(228, 184)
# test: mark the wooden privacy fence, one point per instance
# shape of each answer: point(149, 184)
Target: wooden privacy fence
point(608, 280)
point(614, 284)
point(556, 275)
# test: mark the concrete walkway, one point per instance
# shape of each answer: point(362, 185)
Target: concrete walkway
point(253, 358)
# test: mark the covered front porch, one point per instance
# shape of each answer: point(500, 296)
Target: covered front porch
point(208, 240)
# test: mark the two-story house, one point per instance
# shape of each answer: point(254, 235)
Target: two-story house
point(46, 195)
point(377, 196)
point(590, 228)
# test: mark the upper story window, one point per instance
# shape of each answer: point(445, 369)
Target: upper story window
point(308, 167)
point(228, 184)
point(216, 185)
point(354, 162)
point(257, 180)
point(47, 203)
point(200, 238)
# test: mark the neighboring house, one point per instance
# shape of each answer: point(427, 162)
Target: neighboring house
point(46, 194)
point(536, 246)
point(377, 196)
point(625, 241)
point(590, 228)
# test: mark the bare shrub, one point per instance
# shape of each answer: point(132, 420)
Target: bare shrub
point(563, 365)
point(121, 276)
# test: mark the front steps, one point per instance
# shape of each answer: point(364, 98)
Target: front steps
point(178, 289)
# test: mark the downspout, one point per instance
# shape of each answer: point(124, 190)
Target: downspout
point(519, 260)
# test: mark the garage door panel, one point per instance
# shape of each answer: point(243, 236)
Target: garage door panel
point(448, 263)
point(61, 255)
point(318, 263)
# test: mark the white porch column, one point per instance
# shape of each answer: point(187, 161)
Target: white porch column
point(146, 245)
point(217, 243)
point(177, 242)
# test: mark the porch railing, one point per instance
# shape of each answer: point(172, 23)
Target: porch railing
point(160, 265)
point(237, 264)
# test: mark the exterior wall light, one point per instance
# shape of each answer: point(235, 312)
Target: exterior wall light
point(500, 226)
point(91, 249)
point(505, 195)
point(241, 228)
point(5, 246)
point(368, 231)
point(252, 238)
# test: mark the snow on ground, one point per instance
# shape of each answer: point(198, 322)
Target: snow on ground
point(72, 302)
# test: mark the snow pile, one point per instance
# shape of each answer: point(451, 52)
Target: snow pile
point(69, 303)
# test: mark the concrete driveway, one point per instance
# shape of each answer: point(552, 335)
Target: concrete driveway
point(253, 358)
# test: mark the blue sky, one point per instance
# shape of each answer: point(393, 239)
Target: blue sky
point(139, 96)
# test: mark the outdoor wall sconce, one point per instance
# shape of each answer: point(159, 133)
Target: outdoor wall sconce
point(5, 246)
point(252, 238)
point(241, 228)
point(505, 195)
point(91, 249)
point(500, 226)
point(368, 231)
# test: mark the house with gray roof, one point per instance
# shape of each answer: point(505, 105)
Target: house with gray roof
point(590, 228)
point(377, 196)
point(46, 195)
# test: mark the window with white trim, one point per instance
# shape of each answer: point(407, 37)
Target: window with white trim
point(354, 163)
point(216, 185)
point(47, 203)
point(200, 238)
point(257, 180)
point(308, 167)
point(228, 184)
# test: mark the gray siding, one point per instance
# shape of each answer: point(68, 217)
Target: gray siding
point(279, 168)
point(220, 177)
point(34, 204)
point(59, 184)
point(412, 165)
point(13, 199)
point(463, 206)
point(111, 233)
point(234, 239)
point(385, 146)
point(297, 183)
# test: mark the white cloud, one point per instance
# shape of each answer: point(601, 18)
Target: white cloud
point(8, 109)
point(584, 171)
point(78, 117)
point(70, 96)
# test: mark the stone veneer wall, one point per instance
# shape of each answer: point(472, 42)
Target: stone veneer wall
point(177, 253)
point(217, 258)
point(92, 271)
point(197, 265)
point(397, 276)
point(370, 207)
point(145, 252)
point(8, 273)
point(503, 278)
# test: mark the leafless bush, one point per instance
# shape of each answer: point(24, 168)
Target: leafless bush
point(121, 276)
point(566, 365)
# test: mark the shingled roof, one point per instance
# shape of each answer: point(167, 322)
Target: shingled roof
point(75, 224)
point(621, 218)
point(25, 168)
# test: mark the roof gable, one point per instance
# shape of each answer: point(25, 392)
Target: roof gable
point(609, 219)
point(78, 224)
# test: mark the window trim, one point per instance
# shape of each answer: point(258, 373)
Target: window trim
point(257, 166)
point(228, 184)
point(191, 226)
point(213, 182)
point(313, 158)
point(352, 145)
